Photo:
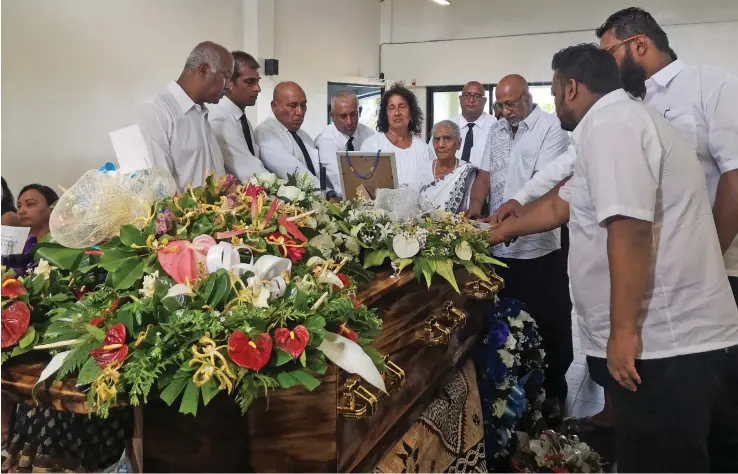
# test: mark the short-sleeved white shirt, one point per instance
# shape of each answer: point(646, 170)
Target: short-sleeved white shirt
point(632, 162)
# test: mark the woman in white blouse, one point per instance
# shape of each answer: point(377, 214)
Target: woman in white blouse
point(445, 182)
point(400, 118)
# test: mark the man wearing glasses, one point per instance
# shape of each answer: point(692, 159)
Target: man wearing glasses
point(518, 145)
point(474, 123)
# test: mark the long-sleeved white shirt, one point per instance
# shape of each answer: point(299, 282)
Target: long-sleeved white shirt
point(225, 120)
point(330, 141)
point(281, 154)
point(179, 138)
point(548, 177)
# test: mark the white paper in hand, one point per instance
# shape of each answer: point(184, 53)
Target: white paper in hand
point(130, 149)
point(349, 356)
point(14, 239)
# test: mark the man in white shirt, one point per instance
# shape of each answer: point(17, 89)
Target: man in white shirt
point(518, 145)
point(283, 146)
point(344, 134)
point(655, 309)
point(175, 123)
point(474, 123)
point(230, 125)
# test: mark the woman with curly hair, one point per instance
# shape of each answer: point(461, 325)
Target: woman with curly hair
point(399, 120)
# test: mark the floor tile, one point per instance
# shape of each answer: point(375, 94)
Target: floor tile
point(580, 358)
point(581, 409)
point(577, 372)
point(591, 392)
point(569, 405)
point(573, 388)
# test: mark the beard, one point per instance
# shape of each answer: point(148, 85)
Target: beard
point(633, 76)
point(566, 118)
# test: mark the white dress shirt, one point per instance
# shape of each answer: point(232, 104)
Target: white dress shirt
point(632, 162)
point(702, 102)
point(225, 120)
point(179, 138)
point(538, 141)
point(330, 141)
point(281, 154)
point(480, 131)
point(406, 159)
point(548, 177)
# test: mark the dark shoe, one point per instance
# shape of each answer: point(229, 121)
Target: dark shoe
point(552, 410)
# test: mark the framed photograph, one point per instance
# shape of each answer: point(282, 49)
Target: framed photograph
point(363, 171)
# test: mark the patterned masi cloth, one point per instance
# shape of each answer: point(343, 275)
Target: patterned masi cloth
point(499, 146)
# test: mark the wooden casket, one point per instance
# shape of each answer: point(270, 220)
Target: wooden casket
point(344, 425)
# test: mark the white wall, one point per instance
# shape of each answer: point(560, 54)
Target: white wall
point(72, 69)
point(484, 40)
point(317, 41)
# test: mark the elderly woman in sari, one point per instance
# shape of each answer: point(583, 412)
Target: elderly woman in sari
point(446, 181)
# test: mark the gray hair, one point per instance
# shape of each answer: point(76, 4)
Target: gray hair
point(344, 94)
point(208, 53)
point(455, 130)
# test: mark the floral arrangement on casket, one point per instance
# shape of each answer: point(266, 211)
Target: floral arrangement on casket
point(552, 452)
point(225, 288)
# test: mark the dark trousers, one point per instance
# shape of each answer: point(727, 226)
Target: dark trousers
point(734, 286)
point(682, 418)
point(542, 284)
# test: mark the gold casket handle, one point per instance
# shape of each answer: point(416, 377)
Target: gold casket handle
point(484, 290)
point(357, 399)
point(439, 329)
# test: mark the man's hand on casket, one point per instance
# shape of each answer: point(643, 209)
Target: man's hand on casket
point(506, 210)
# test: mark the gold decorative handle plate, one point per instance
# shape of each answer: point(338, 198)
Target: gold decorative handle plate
point(438, 329)
point(482, 290)
point(357, 399)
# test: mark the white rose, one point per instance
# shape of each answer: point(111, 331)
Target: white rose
point(506, 358)
point(149, 284)
point(510, 343)
point(464, 251)
point(267, 179)
point(499, 407)
point(311, 223)
point(290, 193)
point(43, 268)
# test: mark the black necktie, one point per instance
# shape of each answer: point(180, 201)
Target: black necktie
point(468, 143)
point(247, 134)
point(350, 144)
point(308, 160)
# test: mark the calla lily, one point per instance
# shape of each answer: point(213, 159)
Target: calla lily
point(290, 193)
point(327, 277)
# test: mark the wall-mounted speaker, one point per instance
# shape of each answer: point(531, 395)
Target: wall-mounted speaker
point(271, 67)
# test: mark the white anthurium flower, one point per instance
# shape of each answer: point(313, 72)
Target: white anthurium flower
point(290, 193)
point(329, 278)
point(312, 261)
point(405, 247)
point(149, 284)
point(499, 407)
point(464, 251)
point(510, 343)
point(43, 268)
point(506, 358)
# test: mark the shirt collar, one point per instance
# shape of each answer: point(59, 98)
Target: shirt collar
point(230, 108)
point(184, 101)
point(618, 95)
point(665, 75)
point(481, 122)
point(341, 135)
point(532, 118)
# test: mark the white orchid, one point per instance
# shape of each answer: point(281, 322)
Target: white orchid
point(510, 343)
point(290, 193)
point(43, 268)
point(149, 285)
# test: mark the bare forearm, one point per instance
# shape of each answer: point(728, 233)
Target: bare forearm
point(629, 249)
point(548, 213)
point(479, 191)
point(725, 210)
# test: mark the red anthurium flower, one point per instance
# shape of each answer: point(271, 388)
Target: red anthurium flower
point(114, 347)
point(253, 190)
point(247, 353)
point(13, 288)
point(357, 303)
point(348, 333)
point(97, 322)
point(15, 321)
point(113, 306)
point(291, 228)
point(80, 293)
point(344, 279)
point(292, 342)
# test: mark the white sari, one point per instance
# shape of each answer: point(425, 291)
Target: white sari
point(450, 193)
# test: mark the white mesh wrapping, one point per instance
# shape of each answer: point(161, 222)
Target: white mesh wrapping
point(94, 209)
point(402, 204)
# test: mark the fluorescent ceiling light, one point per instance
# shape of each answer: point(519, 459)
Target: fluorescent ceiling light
point(442, 2)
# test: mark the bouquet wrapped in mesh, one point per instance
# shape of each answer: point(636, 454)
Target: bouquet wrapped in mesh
point(403, 204)
point(99, 203)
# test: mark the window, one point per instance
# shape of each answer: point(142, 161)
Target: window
point(369, 98)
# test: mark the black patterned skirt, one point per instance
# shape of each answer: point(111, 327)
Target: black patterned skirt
point(43, 439)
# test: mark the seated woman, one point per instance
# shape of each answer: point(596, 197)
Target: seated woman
point(399, 119)
point(445, 182)
point(34, 210)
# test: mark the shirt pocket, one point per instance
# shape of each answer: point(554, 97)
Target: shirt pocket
point(684, 118)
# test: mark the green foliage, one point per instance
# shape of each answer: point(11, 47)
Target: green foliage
point(79, 355)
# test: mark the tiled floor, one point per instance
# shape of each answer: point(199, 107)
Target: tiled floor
point(585, 397)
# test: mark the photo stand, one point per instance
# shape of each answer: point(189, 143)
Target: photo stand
point(363, 172)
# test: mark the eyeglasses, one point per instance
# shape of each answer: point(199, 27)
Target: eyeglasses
point(612, 48)
point(468, 96)
point(509, 105)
